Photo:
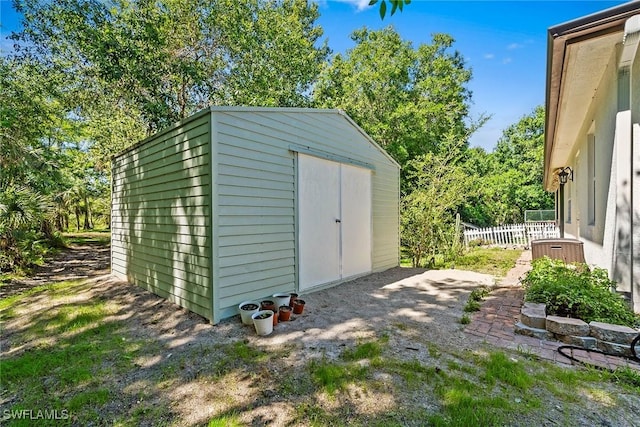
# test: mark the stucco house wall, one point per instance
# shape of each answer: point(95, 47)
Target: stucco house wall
point(599, 124)
point(593, 126)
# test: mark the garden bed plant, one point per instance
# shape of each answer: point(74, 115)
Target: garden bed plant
point(575, 290)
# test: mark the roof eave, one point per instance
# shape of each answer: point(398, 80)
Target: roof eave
point(558, 38)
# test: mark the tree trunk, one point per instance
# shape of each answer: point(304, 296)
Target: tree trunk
point(46, 229)
point(77, 211)
point(87, 214)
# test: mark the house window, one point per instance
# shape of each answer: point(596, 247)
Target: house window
point(591, 184)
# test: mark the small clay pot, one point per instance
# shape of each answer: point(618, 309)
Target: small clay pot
point(298, 306)
point(268, 305)
point(294, 297)
point(284, 313)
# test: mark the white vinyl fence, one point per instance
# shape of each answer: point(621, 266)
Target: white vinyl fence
point(514, 234)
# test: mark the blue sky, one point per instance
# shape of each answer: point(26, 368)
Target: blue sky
point(503, 42)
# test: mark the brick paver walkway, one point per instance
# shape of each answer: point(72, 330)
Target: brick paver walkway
point(495, 322)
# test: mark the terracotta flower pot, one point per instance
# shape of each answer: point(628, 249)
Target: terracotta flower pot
point(298, 306)
point(284, 313)
point(292, 298)
point(270, 305)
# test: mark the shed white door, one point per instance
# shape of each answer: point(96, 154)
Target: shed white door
point(355, 195)
point(334, 202)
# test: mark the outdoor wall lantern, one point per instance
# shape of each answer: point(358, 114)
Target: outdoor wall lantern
point(564, 175)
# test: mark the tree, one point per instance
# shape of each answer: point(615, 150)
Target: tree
point(411, 101)
point(519, 157)
point(164, 60)
point(32, 122)
point(272, 52)
point(429, 210)
point(509, 180)
point(478, 166)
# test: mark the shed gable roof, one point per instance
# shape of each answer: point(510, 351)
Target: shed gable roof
point(336, 113)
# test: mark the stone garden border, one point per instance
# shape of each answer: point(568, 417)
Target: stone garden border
point(605, 337)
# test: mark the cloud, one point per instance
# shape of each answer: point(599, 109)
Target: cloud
point(359, 4)
point(489, 56)
point(506, 60)
point(513, 46)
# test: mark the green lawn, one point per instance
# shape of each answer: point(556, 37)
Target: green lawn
point(99, 237)
point(494, 261)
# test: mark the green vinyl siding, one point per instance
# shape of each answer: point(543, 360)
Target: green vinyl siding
point(330, 132)
point(161, 221)
point(255, 176)
point(256, 239)
point(204, 212)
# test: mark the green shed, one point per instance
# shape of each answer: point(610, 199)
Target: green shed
point(239, 203)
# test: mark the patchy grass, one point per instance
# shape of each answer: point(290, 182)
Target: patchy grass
point(8, 304)
point(81, 356)
point(226, 421)
point(475, 389)
point(73, 351)
point(95, 237)
point(465, 319)
point(494, 261)
point(367, 350)
point(331, 376)
point(473, 303)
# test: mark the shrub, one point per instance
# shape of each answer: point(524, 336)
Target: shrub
point(576, 291)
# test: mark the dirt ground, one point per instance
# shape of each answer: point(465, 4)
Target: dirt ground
point(418, 310)
point(357, 310)
point(76, 262)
